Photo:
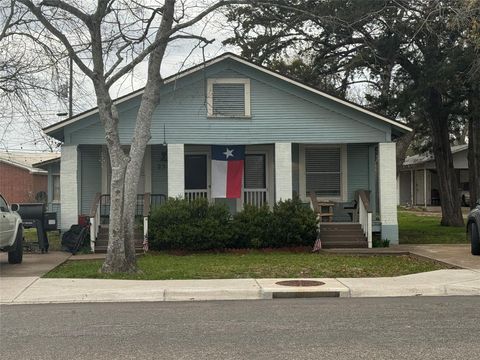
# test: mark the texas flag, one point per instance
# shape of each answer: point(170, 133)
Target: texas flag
point(227, 171)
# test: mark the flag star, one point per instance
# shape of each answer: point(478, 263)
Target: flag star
point(228, 153)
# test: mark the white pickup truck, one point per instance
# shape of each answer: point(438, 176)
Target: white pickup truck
point(11, 231)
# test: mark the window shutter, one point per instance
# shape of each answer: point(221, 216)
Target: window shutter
point(228, 99)
point(255, 172)
point(322, 168)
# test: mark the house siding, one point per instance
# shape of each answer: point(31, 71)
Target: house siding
point(90, 176)
point(281, 112)
point(358, 168)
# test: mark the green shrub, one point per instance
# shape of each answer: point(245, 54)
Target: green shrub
point(199, 225)
point(294, 224)
point(196, 225)
point(252, 227)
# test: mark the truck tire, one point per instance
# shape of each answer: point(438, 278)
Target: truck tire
point(15, 256)
point(474, 239)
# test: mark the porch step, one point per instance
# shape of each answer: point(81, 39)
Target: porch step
point(102, 239)
point(103, 249)
point(103, 231)
point(342, 235)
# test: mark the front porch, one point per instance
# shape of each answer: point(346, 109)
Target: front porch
point(335, 173)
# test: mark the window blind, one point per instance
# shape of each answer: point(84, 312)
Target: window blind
point(322, 171)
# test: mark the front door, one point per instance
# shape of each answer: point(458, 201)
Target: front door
point(196, 176)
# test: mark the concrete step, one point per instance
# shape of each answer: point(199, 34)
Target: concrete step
point(339, 226)
point(103, 249)
point(344, 244)
point(105, 242)
point(349, 232)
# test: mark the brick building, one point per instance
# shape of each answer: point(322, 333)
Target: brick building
point(19, 180)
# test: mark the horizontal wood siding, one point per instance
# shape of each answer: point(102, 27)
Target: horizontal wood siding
point(357, 168)
point(90, 176)
point(281, 112)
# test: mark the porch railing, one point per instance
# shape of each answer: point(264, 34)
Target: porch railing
point(365, 215)
point(194, 194)
point(100, 213)
point(94, 220)
point(255, 197)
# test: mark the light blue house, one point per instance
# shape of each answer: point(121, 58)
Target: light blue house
point(298, 140)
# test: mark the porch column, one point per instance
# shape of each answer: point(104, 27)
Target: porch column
point(175, 170)
point(425, 187)
point(412, 188)
point(387, 170)
point(69, 186)
point(283, 171)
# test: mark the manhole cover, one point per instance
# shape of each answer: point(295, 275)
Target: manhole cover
point(300, 283)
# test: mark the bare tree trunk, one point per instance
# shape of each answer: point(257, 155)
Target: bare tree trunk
point(449, 195)
point(141, 137)
point(474, 148)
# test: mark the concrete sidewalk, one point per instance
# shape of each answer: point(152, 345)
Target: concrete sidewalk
point(28, 290)
point(23, 284)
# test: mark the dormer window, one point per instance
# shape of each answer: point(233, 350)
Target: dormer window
point(228, 97)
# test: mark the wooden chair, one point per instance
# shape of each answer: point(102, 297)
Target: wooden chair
point(324, 209)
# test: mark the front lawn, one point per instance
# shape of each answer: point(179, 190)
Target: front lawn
point(54, 240)
point(254, 264)
point(426, 229)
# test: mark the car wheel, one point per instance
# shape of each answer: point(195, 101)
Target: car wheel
point(16, 255)
point(474, 239)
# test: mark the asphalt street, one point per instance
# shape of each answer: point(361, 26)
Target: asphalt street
point(362, 328)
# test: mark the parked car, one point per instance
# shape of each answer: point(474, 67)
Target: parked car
point(11, 231)
point(473, 229)
point(465, 194)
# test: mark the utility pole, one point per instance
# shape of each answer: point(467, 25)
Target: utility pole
point(70, 90)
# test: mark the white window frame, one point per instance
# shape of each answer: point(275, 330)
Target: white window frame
point(56, 201)
point(266, 150)
point(211, 82)
point(343, 173)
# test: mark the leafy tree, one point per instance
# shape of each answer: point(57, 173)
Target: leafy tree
point(404, 52)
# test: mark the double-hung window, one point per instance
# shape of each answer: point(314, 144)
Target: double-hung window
point(323, 171)
point(56, 187)
point(228, 97)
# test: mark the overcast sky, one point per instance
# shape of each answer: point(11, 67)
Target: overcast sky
point(22, 135)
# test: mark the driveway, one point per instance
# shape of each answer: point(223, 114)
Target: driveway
point(33, 265)
point(458, 255)
point(16, 278)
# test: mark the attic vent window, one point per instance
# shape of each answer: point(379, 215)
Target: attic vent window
point(228, 97)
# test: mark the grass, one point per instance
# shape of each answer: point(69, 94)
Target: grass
point(426, 229)
point(254, 264)
point(54, 240)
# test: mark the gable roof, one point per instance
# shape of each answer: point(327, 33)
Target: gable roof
point(428, 156)
point(27, 159)
point(400, 126)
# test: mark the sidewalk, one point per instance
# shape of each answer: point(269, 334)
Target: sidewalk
point(24, 285)
point(34, 290)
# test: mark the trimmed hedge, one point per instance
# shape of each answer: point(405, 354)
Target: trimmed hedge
point(195, 225)
point(199, 225)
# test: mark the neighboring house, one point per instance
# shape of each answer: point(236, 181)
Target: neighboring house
point(20, 180)
point(298, 140)
point(52, 168)
point(418, 179)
